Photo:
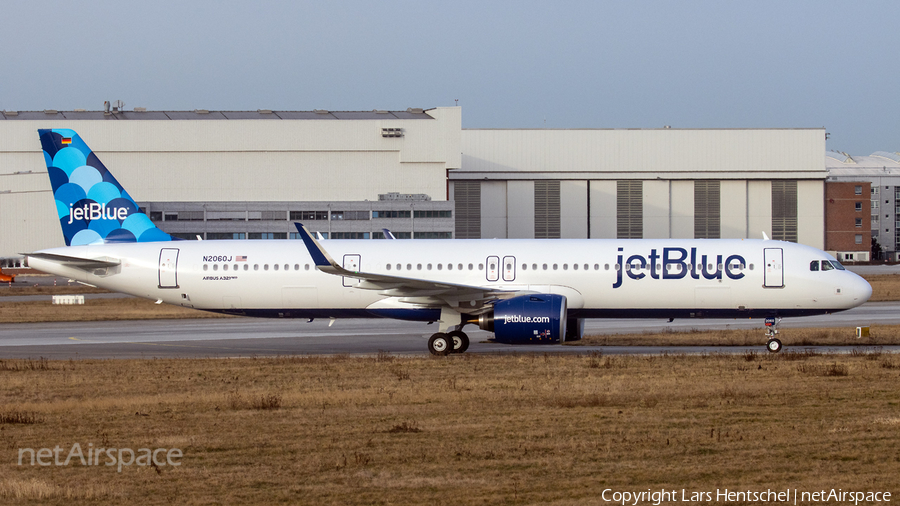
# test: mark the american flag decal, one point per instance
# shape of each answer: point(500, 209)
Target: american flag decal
point(240, 258)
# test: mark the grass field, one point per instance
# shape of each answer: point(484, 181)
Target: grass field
point(473, 429)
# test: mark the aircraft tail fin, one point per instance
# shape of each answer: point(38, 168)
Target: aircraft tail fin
point(93, 207)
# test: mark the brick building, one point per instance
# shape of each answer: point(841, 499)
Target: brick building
point(848, 215)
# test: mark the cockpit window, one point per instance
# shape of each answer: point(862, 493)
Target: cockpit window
point(826, 265)
point(814, 265)
point(837, 265)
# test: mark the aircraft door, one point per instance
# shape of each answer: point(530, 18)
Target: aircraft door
point(773, 258)
point(493, 268)
point(351, 263)
point(168, 268)
point(509, 268)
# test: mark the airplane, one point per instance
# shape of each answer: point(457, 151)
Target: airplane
point(522, 290)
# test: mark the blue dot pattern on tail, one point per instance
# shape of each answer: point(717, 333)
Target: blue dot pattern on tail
point(92, 206)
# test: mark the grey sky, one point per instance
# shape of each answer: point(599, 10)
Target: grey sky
point(629, 64)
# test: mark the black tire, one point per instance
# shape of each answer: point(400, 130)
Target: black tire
point(774, 345)
point(440, 344)
point(460, 341)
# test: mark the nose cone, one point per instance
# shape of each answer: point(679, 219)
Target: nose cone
point(858, 289)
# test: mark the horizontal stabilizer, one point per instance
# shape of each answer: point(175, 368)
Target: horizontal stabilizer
point(76, 262)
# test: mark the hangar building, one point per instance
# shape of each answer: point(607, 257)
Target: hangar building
point(250, 175)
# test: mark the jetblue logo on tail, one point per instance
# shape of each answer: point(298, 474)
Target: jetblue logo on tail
point(92, 206)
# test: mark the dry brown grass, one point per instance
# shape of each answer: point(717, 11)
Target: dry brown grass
point(879, 335)
point(473, 429)
point(128, 308)
point(885, 287)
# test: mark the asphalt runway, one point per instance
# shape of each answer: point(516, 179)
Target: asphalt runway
point(242, 337)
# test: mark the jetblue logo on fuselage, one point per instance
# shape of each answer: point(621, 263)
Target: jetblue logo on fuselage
point(676, 263)
point(95, 211)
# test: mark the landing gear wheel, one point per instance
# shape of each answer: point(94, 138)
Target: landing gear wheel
point(460, 341)
point(774, 345)
point(440, 344)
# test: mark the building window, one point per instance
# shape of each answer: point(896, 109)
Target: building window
point(226, 235)
point(155, 215)
point(391, 214)
point(349, 215)
point(706, 210)
point(267, 235)
point(858, 238)
point(349, 235)
point(467, 201)
point(858, 222)
point(433, 214)
point(433, 235)
point(857, 190)
point(546, 210)
point(309, 215)
point(629, 209)
point(784, 210)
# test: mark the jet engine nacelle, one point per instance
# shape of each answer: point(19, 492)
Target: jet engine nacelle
point(527, 319)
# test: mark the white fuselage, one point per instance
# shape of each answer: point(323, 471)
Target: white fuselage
point(600, 277)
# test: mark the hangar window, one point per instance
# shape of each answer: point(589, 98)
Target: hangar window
point(706, 209)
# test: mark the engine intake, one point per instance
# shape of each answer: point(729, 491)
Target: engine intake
point(527, 319)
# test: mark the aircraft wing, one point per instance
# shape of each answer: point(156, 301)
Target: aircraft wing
point(469, 298)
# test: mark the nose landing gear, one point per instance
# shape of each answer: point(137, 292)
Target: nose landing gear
point(773, 344)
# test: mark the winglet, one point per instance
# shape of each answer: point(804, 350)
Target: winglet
point(388, 234)
point(765, 237)
point(316, 251)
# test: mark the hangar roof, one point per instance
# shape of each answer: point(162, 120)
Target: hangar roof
point(201, 114)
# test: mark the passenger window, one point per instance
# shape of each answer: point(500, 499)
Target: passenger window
point(215, 267)
point(235, 267)
point(265, 267)
point(225, 267)
point(409, 267)
point(524, 267)
point(814, 265)
point(205, 267)
point(388, 267)
point(480, 267)
point(605, 267)
point(255, 267)
point(586, 267)
point(555, 266)
point(449, 267)
point(440, 266)
point(575, 266)
point(246, 267)
point(275, 267)
point(306, 267)
point(287, 267)
point(418, 267)
point(565, 267)
point(429, 267)
point(534, 267)
point(470, 267)
point(545, 267)
point(296, 267)
point(399, 267)
point(459, 266)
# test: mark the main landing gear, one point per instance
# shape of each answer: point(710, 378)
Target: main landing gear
point(442, 344)
point(773, 344)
